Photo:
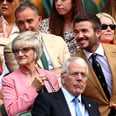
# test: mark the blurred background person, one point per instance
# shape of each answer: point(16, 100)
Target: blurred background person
point(8, 8)
point(21, 87)
point(110, 8)
point(60, 21)
point(108, 27)
point(8, 31)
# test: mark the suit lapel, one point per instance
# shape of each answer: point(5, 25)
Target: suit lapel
point(62, 105)
point(48, 42)
point(49, 45)
point(92, 78)
point(111, 57)
point(88, 105)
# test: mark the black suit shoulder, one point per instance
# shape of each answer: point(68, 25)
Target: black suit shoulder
point(91, 105)
point(50, 104)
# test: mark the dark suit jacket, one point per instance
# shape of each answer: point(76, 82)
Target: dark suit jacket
point(93, 88)
point(54, 104)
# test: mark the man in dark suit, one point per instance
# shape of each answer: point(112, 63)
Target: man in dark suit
point(74, 75)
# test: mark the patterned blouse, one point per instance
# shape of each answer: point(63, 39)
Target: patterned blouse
point(68, 36)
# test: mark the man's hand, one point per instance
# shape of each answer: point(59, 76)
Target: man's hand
point(113, 106)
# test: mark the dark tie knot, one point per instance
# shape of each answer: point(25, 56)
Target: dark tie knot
point(93, 56)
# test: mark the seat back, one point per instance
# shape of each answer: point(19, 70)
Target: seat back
point(25, 114)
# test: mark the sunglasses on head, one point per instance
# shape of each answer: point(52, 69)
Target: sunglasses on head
point(7, 1)
point(104, 26)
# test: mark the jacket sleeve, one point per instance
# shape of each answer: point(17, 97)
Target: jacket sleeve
point(10, 58)
point(17, 96)
point(41, 106)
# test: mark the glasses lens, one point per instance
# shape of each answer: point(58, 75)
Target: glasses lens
point(23, 50)
point(6, 0)
point(112, 27)
point(104, 26)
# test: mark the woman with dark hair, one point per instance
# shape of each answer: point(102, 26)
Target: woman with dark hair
point(60, 21)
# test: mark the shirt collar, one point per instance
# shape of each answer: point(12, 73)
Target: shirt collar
point(69, 97)
point(4, 20)
point(99, 51)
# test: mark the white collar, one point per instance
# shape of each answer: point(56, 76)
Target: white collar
point(99, 51)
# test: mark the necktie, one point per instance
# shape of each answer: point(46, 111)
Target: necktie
point(44, 61)
point(77, 109)
point(98, 71)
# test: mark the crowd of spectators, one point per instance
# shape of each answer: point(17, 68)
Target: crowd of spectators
point(34, 48)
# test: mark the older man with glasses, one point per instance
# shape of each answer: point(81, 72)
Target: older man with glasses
point(68, 101)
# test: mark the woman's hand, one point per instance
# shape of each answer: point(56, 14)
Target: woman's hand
point(38, 82)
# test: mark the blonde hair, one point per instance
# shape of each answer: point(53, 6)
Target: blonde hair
point(99, 15)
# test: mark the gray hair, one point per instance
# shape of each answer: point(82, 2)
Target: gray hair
point(23, 6)
point(31, 39)
point(78, 60)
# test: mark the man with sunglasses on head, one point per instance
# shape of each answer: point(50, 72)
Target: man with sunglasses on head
point(101, 59)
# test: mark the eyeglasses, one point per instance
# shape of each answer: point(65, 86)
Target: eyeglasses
point(23, 50)
point(7, 1)
point(104, 26)
point(76, 74)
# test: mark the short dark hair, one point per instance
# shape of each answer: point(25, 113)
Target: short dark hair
point(84, 16)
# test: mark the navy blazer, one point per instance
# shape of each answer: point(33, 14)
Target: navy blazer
point(54, 104)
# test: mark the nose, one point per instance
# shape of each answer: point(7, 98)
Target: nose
point(79, 35)
point(26, 26)
point(58, 2)
point(108, 28)
point(80, 76)
point(20, 53)
point(4, 1)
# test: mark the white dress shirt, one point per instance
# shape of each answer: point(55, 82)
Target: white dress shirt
point(69, 99)
point(101, 58)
